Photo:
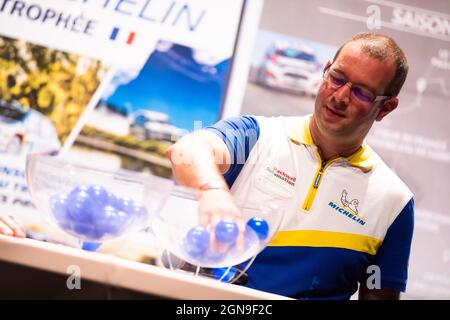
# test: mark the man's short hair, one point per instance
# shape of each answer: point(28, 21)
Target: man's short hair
point(383, 48)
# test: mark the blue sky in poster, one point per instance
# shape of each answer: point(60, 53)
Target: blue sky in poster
point(175, 82)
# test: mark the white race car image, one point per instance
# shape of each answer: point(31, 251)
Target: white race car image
point(291, 66)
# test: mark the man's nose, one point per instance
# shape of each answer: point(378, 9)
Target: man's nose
point(342, 95)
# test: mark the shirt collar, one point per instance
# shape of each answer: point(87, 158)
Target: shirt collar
point(299, 133)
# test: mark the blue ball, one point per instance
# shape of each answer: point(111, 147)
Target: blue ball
point(98, 195)
point(139, 211)
point(110, 220)
point(79, 205)
point(226, 231)
point(124, 204)
point(86, 230)
point(58, 204)
point(258, 225)
point(112, 200)
point(131, 207)
point(91, 246)
point(81, 187)
point(196, 241)
point(227, 274)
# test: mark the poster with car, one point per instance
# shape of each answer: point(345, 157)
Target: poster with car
point(414, 140)
point(179, 89)
point(182, 86)
point(121, 79)
point(285, 73)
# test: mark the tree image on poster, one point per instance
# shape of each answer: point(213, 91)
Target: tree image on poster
point(57, 84)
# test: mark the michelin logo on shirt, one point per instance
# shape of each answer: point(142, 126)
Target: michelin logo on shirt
point(349, 207)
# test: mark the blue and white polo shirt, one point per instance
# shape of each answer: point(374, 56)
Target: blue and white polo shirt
point(341, 216)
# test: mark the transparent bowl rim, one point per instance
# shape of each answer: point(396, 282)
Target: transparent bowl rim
point(61, 162)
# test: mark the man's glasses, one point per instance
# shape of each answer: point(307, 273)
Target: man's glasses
point(362, 94)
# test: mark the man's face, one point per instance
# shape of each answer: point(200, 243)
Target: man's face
point(339, 112)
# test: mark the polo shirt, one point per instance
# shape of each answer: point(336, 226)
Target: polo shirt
point(343, 221)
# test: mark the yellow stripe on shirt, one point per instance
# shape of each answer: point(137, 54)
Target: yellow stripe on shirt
point(315, 238)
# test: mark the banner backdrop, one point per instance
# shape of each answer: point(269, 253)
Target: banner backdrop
point(295, 40)
point(131, 76)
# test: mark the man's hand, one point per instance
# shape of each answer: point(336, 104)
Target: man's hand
point(10, 226)
point(198, 161)
point(218, 204)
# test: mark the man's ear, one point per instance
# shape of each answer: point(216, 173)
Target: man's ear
point(387, 107)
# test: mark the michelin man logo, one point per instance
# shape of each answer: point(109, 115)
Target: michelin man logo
point(352, 204)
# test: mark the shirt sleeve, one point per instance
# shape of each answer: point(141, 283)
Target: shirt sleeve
point(240, 134)
point(393, 255)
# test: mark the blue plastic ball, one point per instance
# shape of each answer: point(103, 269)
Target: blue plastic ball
point(81, 187)
point(110, 220)
point(139, 211)
point(224, 274)
point(260, 226)
point(112, 200)
point(124, 204)
point(58, 204)
point(98, 195)
point(90, 246)
point(196, 241)
point(86, 230)
point(131, 207)
point(226, 231)
point(79, 205)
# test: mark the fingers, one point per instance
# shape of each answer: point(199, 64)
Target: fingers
point(217, 246)
point(18, 228)
point(217, 205)
point(240, 241)
point(11, 227)
point(205, 215)
point(204, 219)
point(4, 229)
point(215, 219)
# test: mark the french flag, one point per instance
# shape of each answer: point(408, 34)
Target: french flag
point(115, 33)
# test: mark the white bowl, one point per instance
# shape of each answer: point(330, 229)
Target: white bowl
point(177, 228)
point(93, 205)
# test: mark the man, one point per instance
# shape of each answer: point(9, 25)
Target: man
point(348, 217)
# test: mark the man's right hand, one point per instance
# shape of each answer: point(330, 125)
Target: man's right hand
point(216, 205)
point(198, 160)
